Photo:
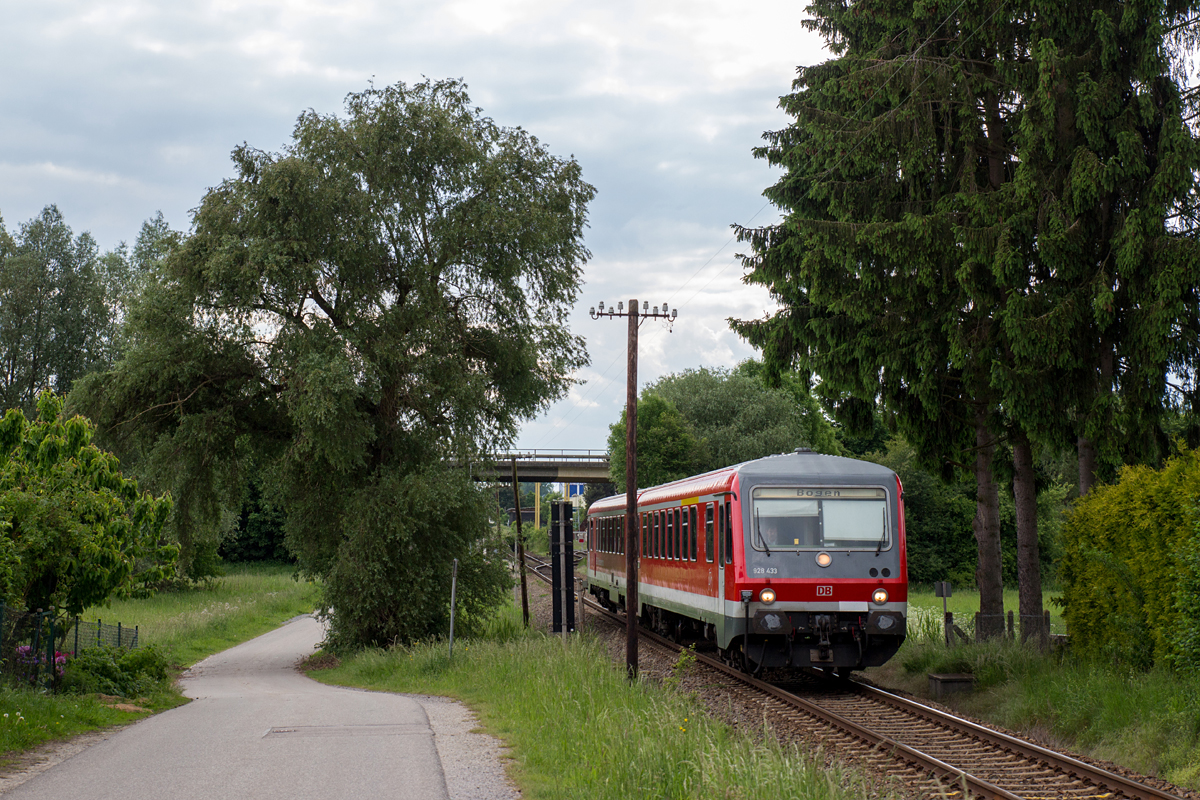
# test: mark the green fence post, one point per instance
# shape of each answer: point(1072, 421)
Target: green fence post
point(75, 652)
point(99, 642)
point(118, 634)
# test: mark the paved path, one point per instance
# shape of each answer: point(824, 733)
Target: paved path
point(258, 729)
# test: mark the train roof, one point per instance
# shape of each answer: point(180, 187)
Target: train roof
point(814, 469)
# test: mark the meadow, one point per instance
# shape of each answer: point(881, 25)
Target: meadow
point(192, 623)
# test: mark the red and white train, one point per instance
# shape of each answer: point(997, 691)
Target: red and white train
point(794, 560)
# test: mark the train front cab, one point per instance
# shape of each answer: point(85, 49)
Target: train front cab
point(820, 574)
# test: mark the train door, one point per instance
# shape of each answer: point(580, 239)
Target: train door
point(708, 520)
point(721, 555)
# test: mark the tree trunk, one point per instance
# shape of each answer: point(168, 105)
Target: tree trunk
point(1029, 574)
point(1086, 445)
point(987, 533)
point(1087, 464)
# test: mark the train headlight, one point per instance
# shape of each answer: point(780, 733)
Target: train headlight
point(879, 596)
point(766, 596)
point(824, 559)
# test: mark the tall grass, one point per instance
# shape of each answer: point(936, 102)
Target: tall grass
point(1148, 721)
point(29, 718)
point(578, 729)
point(190, 624)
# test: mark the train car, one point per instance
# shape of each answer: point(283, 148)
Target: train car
point(788, 561)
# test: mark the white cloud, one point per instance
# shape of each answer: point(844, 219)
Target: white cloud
point(115, 109)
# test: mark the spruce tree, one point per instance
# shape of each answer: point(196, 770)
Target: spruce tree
point(977, 235)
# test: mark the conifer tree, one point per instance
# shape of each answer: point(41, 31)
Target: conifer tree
point(976, 235)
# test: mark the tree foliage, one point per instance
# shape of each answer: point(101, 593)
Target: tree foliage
point(704, 419)
point(73, 530)
point(979, 233)
point(54, 323)
point(666, 449)
point(386, 294)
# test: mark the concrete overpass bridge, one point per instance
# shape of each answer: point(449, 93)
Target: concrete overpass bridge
point(546, 466)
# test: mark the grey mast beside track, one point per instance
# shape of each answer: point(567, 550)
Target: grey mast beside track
point(257, 728)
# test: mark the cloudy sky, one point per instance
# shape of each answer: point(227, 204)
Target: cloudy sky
point(116, 109)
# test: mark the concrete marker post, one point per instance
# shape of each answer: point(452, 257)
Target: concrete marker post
point(453, 599)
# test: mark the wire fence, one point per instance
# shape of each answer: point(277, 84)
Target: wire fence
point(35, 645)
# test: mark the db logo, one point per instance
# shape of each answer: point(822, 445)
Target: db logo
point(824, 591)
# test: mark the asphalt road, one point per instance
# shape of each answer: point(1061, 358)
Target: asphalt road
point(258, 729)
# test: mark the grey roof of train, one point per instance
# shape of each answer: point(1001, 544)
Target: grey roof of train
point(823, 469)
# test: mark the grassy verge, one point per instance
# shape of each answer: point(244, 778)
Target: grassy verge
point(186, 625)
point(578, 729)
point(1146, 721)
point(29, 718)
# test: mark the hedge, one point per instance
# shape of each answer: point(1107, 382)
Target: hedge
point(1130, 566)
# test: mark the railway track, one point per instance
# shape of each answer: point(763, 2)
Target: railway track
point(939, 753)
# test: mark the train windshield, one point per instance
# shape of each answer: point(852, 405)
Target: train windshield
point(807, 519)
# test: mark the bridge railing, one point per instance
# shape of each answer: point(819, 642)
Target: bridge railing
point(565, 454)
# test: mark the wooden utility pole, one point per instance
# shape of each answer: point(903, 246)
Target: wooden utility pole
point(520, 546)
point(632, 538)
point(631, 515)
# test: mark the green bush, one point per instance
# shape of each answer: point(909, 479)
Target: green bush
point(391, 579)
point(1129, 550)
point(115, 671)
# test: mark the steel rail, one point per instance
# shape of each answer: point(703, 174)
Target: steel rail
point(953, 775)
point(1070, 766)
point(898, 750)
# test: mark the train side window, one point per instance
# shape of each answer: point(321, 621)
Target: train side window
point(657, 534)
point(695, 531)
point(622, 539)
point(663, 534)
point(708, 532)
point(728, 533)
point(670, 533)
point(673, 515)
point(642, 520)
point(683, 534)
point(679, 538)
